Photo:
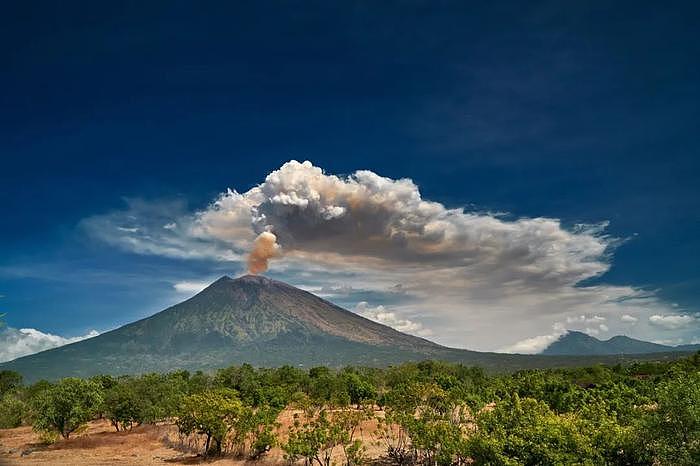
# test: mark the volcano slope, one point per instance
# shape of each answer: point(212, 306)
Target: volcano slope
point(263, 322)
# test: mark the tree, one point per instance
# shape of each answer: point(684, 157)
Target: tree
point(359, 389)
point(122, 406)
point(66, 406)
point(9, 381)
point(256, 428)
point(424, 423)
point(317, 432)
point(213, 413)
point(348, 422)
point(159, 395)
point(673, 428)
point(313, 440)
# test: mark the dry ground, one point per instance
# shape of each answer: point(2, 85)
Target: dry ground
point(100, 444)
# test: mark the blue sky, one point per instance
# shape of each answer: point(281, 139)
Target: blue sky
point(585, 112)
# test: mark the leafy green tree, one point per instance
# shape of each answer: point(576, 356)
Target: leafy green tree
point(213, 413)
point(324, 386)
point(359, 389)
point(244, 379)
point(198, 382)
point(122, 405)
point(159, 396)
point(558, 392)
point(66, 406)
point(104, 381)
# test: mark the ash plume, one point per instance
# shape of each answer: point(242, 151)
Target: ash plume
point(465, 268)
point(265, 247)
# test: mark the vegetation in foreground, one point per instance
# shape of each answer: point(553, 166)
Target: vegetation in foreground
point(429, 413)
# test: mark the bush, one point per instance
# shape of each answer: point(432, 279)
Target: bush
point(312, 440)
point(12, 411)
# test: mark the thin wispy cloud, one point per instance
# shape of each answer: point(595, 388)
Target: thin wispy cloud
point(190, 287)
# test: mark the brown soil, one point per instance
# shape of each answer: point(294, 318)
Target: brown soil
point(100, 444)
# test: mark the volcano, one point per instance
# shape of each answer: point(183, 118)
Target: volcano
point(255, 320)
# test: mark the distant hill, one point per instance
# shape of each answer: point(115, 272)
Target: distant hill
point(259, 321)
point(579, 343)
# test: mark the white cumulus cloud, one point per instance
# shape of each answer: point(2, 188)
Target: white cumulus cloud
point(534, 345)
point(15, 343)
point(383, 316)
point(673, 321)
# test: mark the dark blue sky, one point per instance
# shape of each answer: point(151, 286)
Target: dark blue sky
point(584, 111)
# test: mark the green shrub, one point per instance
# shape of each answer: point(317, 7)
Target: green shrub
point(526, 432)
point(9, 382)
point(12, 411)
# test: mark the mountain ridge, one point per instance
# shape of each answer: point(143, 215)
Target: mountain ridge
point(579, 343)
point(264, 322)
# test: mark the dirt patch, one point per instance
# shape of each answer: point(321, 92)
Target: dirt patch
point(98, 445)
point(160, 444)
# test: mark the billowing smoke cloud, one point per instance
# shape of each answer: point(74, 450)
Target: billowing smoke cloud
point(369, 217)
point(363, 218)
point(475, 279)
point(265, 247)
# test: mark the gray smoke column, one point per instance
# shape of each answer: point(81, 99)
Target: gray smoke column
point(265, 248)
